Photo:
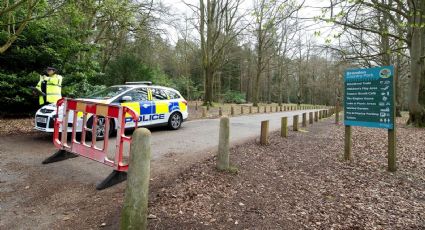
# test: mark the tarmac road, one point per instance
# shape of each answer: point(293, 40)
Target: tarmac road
point(202, 135)
point(199, 136)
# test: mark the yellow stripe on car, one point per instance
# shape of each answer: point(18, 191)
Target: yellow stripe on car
point(161, 107)
point(132, 105)
point(182, 106)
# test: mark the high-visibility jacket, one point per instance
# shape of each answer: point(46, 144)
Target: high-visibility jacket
point(52, 87)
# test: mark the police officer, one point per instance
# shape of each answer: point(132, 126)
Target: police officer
point(51, 86)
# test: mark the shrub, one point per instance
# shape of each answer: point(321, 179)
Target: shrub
point(234, 97)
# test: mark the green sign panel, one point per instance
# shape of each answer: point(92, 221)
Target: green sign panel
point(369, 97)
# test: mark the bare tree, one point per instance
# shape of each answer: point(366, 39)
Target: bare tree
point(219, 25)
point(398, 28)
point(268, 16)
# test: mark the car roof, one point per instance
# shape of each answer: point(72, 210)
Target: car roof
point(147, 86)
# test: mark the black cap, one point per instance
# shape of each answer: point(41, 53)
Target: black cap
point(51, 68)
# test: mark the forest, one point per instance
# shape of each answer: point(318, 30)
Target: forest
point(217, 51)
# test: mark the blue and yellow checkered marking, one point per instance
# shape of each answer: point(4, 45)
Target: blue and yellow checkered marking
point(154, 110)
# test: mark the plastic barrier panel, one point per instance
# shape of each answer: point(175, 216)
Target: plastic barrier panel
point(99, 117)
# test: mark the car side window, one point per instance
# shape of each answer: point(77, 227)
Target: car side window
point(159, 94)
point(140, 94)
point(173, 95)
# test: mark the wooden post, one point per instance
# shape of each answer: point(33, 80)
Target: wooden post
point(196, 106)
point(135, 209)
point(250, 109)
point(337, 115)
point(265, 109)
point(310, 117)
point(281, 108)
point(348, 143)
point(223, 145)
point(241, 109)
point(392, 167)
point(316, 116)
point(284, 127)
point(232, 111)
point(264, 139)
point(220, 111)
point(392, 137)
point(304, 124)
point(295, 123)
point(271, 109)
point(204, 112)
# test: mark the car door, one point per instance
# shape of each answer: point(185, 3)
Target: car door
point(161, 106)
point(137, 99)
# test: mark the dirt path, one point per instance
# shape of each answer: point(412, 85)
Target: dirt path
point(35, 196)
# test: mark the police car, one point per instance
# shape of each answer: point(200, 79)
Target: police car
point(156, 106)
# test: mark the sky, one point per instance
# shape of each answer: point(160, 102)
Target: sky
point(311, 8)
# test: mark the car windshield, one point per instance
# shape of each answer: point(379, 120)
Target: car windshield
point(108, 92)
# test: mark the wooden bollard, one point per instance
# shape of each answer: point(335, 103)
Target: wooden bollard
point(264, 138)
point(316, 116)
point(304, 122)
point(271, 109)
point(241, 109)
point(232, 111)
point(265, 109)
point(281, 108)
point(204, 112)
point(250, 109)
point(284, 127)
point(196, 105)
point(220, 111)
point(336, 116)
point(295, 123)
point(223, 145)
point(277, 108)
point(310, 117)
point(348, 143)
point(135, 209)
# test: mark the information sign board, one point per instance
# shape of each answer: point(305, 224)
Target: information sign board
point(369, 97)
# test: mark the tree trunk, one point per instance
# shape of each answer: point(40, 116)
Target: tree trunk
point(208, 86)
point(417, 81)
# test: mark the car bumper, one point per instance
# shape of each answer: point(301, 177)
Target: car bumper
point(46, 123)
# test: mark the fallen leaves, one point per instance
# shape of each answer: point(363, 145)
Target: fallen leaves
point(301, 182)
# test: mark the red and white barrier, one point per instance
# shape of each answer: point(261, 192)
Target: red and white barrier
point(87, 109)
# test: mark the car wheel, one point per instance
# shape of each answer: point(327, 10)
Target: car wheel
point(100, 128)
point(175, 121)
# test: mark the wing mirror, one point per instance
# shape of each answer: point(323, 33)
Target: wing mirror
point(126, 98)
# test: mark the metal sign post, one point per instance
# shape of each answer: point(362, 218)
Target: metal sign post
point(369, 101)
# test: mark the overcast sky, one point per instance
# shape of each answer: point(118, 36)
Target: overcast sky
point(311, 8)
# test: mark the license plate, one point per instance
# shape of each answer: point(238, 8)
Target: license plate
point(41, 119)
